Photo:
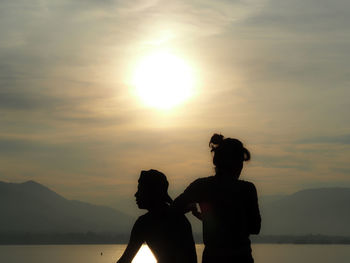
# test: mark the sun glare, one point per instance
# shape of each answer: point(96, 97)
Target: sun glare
point(163, 80)
point(144, 255)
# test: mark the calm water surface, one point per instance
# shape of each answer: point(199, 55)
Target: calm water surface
point(263, 253)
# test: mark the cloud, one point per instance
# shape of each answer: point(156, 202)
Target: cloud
point(29, 101)
point(290, 161)
point(272, 73)
point(340, 139)
point(303, 16)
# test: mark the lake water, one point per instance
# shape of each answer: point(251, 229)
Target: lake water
point(263, 253)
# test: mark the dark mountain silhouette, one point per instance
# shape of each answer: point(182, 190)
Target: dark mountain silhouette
point(323, 211)
point(32, 207)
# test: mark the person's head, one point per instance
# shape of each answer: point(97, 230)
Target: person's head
point(152, 189)
point(229, 155)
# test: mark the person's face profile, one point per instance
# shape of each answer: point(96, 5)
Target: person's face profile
point(143, 196)
point(150, 191)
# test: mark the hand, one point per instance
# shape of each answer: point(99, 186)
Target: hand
point(193, 208)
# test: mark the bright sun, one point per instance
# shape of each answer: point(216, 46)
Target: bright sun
point(163, 80)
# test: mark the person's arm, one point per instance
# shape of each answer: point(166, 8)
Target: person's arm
point(186, 201)
point(254, 218)
point(135, 242)
point(195, 211)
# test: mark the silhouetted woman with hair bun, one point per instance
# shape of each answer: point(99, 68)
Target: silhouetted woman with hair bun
point(229, 206)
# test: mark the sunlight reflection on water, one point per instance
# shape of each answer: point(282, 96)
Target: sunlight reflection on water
point(144, 255)
point(263, 253)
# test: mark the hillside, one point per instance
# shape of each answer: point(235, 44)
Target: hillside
point(32, 207)
point(313, 211)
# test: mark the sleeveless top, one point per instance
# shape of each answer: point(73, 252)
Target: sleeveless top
point(230, 211)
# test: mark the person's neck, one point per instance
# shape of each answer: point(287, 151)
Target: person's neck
point(157, 207)
point(234, 174)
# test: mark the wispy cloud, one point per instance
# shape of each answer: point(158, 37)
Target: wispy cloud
point(273, 73)
point(336, 139)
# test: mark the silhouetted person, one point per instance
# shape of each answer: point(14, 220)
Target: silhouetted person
point(229, 206)
point(167, 233)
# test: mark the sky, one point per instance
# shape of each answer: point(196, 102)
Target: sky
point(274, 74)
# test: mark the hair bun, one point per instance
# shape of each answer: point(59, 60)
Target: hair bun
point(215, 141)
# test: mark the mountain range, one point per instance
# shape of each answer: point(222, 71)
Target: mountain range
point(323, 211)
point(32, 207)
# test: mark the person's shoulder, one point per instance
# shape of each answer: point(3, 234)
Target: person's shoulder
point(247, 184)
point(204, 180)
point(200, 183)
point(142, 219)
point(140, 225)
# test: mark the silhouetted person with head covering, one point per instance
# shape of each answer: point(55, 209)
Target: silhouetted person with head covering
point(229, 206)
point(167, 233)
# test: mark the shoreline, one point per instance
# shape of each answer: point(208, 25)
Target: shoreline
point(91, 238)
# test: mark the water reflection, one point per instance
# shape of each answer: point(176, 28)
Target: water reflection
point(144, 255)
